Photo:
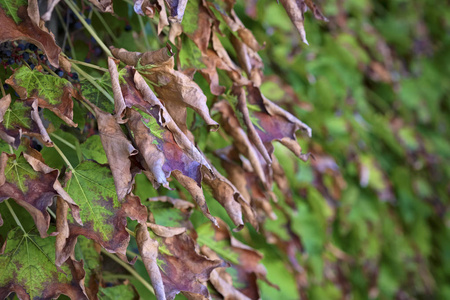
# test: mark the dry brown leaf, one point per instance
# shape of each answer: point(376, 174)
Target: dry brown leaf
point(231, 199)
point(176, 89)
point(32, 184)
point(295, 13)
point(196, 192)
point(103, 5)
point(276, 123)
point(22, 119)
point(251, 130)
point(165, 231)
point(118, 149)
point(28, 28)
point(119, 103)
point(148, 249)
point(231, 125)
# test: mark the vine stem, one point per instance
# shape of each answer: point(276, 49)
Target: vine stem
point(141, 23)
point(63, 157)
point(3, 90)
point(15, 216)
point(74, 61)
point(88, 27)
point(92, 80)
point(66, 37)
point(130, 270)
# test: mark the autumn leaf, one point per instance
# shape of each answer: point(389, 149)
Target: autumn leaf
point(52, 92)
point(104, 217)
point(33, 185)
point(17, 24)
point(29, 270)
point(245, 261)
point(175, 89)
point(22, 117)
point(181, 268)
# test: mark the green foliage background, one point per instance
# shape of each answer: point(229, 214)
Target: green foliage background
point(398, 130)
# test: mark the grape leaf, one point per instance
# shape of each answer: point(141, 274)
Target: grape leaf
point(52, 92)
point(123, 292)
point(104, 217)
point(17, 24)
point(32, 184)
point(21, 117)
point(28, 269)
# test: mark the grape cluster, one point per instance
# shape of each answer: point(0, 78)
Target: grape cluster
point(17, 53)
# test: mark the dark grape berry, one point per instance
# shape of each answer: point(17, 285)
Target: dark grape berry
point(128, 27)
point(75, 76)
point(17, 95)
point(87, 59)
point(89, 21)
point(59, 72)
point(5, 86)
point(31, 66)
point(8, 53)
point(10, 61)
point(32, 47)
point(21, 47)
point(78, 25)
point(41, 56)
point(25, 56)
point(97, 51)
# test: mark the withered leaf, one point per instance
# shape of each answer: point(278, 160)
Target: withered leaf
point(118, 149)
point(103, 5)
point(22, 117)
point(276, 123)
point(29, 270)
point(231, 199)
point(182, 269)
point(104, 217)
point(295, 11)
point(52, 93)
point(176, 10)
point(243, 259)
point(231, 125)
point(148, 248)
point(175, 89)
point(17, 24)
point(32, 184)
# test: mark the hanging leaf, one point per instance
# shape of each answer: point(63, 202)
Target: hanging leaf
point(52, 92)
point(22, 117)
point(17, 24)
point(28, 269)
point(104, 217)
point(33, 185)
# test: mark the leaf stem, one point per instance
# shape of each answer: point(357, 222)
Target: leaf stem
point(3, 90)
point(63, 156)
point(66, 37)
point(92, 80)
point(141, 22)
point(51, 213)
point(65, 142)
point(130, 232)
point(130, 270)
point(14, 216)
point(88, 65)
point(88, 27)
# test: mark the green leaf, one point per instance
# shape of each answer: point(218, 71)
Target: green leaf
point(91, 93)
point(123, 292)
point(222, 247)
point(92, 188)
point(17, 115)
point(190, 55)
point(28, 266)
point(92, 148)
point(48, 87)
